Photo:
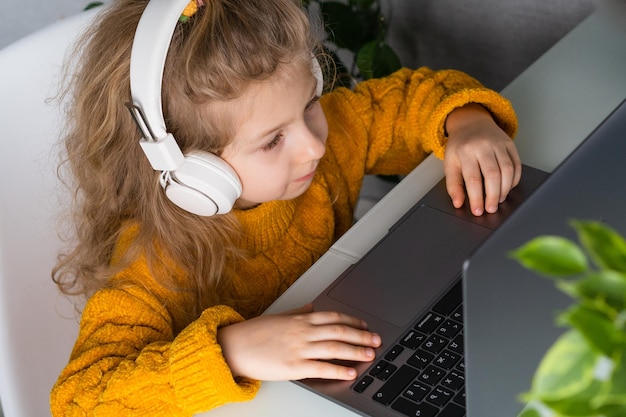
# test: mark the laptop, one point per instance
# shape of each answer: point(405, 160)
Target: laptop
point(490, 328)
point(408, 289)
point(510, 326)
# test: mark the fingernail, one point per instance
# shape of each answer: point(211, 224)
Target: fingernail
point(376, 339)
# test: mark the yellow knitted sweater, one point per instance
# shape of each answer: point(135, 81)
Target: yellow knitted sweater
point(129, 359)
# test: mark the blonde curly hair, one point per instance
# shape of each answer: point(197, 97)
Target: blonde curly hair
point(213, 56)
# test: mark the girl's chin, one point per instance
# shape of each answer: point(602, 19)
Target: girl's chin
point(295, 192)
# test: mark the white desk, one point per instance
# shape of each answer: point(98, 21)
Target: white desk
point(560, 99)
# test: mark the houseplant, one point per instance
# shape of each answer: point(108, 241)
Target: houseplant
point(356, 30)
point(583, 374)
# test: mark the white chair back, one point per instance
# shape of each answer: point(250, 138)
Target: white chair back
point(37, 325)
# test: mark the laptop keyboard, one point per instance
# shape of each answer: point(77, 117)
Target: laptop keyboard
point(430, 382)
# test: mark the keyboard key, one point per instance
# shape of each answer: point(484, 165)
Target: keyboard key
point(416, 391)
point(447, 359)
point(458, 314)
point(413, 339)
point(449, 328)
point(420, 359)
point(432, 375)
point(387, 372)
point(429, 322)
point(450, 301)
point(412, 409)
point(456, 345)
point(452, 410)
point(435, 344)
point(460, 398)
point(378, 368)
point(454, 380)
point(393, 353)
point(439, 396)
point(395, 385)
point(363, 384)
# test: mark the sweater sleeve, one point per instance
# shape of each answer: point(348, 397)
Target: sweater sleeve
point(127, 362)
point(398, 120)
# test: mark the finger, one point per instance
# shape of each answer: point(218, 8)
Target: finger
point(320, 318)
point(493, 187)
point(345, 334)
point(327, 370)
point(455, 187)
point(507, 180)
point(474, 186)
point(333, 350)
point(517, 163)
point(492, 180)
point(510, 170)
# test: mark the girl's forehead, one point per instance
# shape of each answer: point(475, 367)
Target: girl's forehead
point(269, 103)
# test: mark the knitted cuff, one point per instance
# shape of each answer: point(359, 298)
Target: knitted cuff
point(500, 108)
point(201, 377)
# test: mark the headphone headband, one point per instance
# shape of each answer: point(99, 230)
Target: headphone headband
point(150, 45)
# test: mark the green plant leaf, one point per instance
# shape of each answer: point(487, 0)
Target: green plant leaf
point(604, 245)
point(565, 380)
point(93, 4)
point(612, 411)
point(552, 256)
point(598, 330)
point(612, 401)
point(386, 61)
point(529, 412)
point(376, 59)
point(537, 409)
point(605, 289)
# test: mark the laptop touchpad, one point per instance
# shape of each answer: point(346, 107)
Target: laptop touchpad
point(411, 266)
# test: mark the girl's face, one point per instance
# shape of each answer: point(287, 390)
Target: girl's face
point(280, 138)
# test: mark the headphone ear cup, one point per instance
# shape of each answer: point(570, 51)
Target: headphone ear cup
point(204, 184)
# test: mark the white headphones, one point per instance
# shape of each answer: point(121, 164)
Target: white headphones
point(199, 182)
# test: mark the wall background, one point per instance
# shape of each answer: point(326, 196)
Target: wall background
point(493, 40)
point(20, 18)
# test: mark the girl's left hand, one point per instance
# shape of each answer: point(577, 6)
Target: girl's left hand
point(480, 157)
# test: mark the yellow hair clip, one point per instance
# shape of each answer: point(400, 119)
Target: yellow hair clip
point(190, 10)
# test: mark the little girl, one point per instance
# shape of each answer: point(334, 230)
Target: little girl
point(172, 322)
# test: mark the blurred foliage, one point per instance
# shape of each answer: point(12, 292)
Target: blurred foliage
point(584, 373)
point(359, 28)
point(93, 4)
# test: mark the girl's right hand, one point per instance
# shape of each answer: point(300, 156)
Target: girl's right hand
point(296, 345)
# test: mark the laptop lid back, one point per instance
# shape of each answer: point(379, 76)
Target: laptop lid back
point(510, 311)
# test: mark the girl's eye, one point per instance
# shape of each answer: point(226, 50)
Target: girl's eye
point(273, 143)
point(312, 103)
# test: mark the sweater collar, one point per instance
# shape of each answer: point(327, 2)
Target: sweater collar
point(264, 224)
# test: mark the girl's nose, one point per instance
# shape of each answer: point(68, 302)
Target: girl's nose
point(315, 146)
point(313, 143)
